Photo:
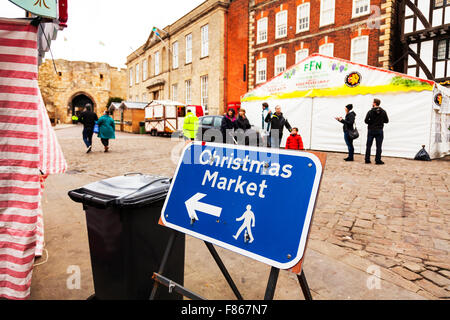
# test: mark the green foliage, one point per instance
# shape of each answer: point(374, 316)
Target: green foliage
point(400, 81)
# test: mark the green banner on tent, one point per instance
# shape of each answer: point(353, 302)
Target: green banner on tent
point(43, 8)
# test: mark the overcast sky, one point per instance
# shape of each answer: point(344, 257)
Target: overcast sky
point(108, 30)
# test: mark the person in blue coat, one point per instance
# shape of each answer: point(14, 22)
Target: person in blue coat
point(106, 129)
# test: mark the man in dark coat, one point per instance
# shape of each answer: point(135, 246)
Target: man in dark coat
point(277, 122)
point(375, 119)
point(88, 119)
point(349, 123)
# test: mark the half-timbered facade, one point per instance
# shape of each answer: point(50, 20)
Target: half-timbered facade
point(426, 38)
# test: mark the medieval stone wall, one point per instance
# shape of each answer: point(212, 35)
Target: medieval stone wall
point(95, 80)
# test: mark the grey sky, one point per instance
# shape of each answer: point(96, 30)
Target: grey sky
point(109, 30)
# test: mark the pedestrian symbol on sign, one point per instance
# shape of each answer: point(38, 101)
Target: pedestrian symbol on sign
point(248, 224)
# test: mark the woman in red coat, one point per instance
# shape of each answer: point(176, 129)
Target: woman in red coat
point(294, 141)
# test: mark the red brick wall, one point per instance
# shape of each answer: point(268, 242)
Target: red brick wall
point(340, 38)
point(236, 55)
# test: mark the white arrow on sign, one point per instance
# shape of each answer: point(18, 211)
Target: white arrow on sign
point(194, 204)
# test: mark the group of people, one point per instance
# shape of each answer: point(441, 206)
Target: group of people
point(106, 127)
point(273, 125)
point(375, 119)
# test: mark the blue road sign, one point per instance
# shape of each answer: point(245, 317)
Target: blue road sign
point(254, 201)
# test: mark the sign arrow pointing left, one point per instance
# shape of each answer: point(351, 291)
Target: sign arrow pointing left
point(194, 204)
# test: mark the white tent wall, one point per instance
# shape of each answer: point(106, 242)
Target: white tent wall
point(404, 135)
point(440, 123)
point(296, 111)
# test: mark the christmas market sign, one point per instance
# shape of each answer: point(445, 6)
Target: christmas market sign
point(43, 8)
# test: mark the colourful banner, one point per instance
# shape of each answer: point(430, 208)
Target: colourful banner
point(320, 76)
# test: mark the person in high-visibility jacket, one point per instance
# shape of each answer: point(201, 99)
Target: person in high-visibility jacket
point(190, 126)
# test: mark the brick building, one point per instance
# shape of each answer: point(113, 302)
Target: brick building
point(282, 32)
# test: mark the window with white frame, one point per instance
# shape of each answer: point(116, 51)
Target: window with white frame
point(327, 49)
point(204, 91)
point(137, 72)
point(281, 24)
point(157, 63)
point(175, 92)
point(131, 77)
point(188, 86)
point(327, 10)
point(361, 7)
point(144, 97)
point(205, 41)
point(144, 70)
point(303, 12)
point(280, 63)
point(261, 70)
point(175, 55)
point(301, 54)
point(360, 49)
point(189, 48)
point(262, 30)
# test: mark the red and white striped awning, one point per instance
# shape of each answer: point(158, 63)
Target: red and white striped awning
point(27, 145)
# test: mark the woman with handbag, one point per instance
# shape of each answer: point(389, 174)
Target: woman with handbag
point(106, 129)
point(350, 132)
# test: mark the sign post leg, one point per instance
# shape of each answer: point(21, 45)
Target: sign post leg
point(162, 267)
point(224, 270)
point(304, 285)
point(272, 284)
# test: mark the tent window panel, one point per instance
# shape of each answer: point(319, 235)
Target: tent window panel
point(303, 17)
point(301, 54)
point(437, 128)
point(262, 30)
point(327, 9)
point(281, 24)
point(280, 64)
point(327, 49)
point(360, 50)
point(261, 70)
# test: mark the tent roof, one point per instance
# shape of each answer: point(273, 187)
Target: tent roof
point(322, 76)
point(166, 103)
point(133, 105)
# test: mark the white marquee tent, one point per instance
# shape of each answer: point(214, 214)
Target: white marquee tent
point(316, 90)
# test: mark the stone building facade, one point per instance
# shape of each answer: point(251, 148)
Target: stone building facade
point(67, 89)
point(282, 32)
point(184, 61)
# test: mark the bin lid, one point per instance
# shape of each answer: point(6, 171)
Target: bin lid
point(128, 190)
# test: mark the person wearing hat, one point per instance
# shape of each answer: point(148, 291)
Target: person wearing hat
point(88, 119)
point(349, 123)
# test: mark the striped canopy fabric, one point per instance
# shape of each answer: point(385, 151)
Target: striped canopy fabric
point(28, 147)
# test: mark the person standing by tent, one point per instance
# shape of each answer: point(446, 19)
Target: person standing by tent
point(242, 121)
point(106, 129)
point(349, 123)
point(228, 126)
point(190, 126)
point(88, 119)
point(375, 119)
point(265, 127)
point(277, 122)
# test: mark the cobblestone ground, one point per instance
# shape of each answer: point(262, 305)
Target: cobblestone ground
point(396, 215)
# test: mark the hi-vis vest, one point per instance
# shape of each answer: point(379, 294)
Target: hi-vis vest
point(190, 125)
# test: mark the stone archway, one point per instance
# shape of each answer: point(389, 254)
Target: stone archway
point(78, 102)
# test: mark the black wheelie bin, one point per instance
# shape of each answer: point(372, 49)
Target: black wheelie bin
point(125, 240)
